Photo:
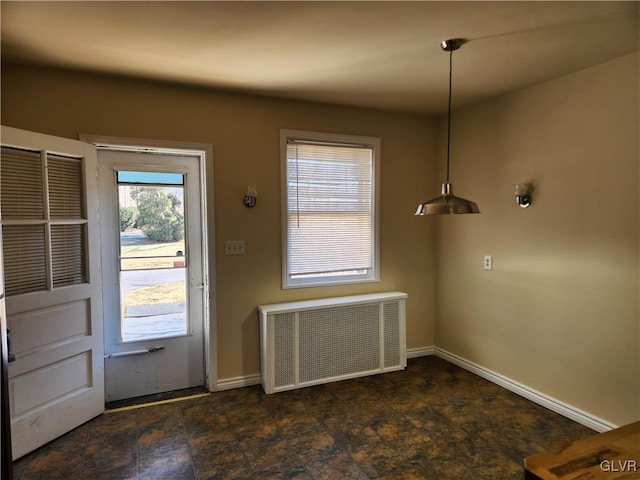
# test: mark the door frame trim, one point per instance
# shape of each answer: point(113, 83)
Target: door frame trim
point(205, 153)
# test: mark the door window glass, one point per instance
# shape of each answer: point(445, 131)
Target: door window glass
point(153, 255)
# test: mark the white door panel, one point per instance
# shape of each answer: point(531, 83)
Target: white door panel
point(174, 357)
point(56, 382)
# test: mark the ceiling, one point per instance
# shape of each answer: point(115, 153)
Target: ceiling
point(373, 54)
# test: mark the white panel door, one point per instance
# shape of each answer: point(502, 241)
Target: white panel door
point(49, 206)
point(154, 272)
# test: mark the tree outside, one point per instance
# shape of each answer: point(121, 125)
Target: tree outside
point(160, 214)
point(128, 217)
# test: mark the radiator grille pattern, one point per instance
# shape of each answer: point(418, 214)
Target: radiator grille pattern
point(284, 330)
point(325, 340)
point(339, 341)
point(391, 334)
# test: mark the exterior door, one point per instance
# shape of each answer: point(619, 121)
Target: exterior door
point(153, 267)
point(49, 210)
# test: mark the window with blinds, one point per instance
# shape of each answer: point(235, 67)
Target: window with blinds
point(330, 209)
point(43, 220)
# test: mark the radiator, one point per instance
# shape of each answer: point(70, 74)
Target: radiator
point(326, 340)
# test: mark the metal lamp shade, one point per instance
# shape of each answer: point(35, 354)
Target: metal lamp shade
point(447, 203)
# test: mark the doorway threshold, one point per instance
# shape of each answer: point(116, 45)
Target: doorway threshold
point(156, 399)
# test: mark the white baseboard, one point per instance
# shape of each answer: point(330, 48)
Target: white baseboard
point(553, 404)
point(237, 382)
point(421, 352)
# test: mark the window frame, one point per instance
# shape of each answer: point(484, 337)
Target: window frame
point(374, 144)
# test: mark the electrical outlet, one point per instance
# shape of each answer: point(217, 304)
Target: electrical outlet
point(488, 262)
point(234, 247)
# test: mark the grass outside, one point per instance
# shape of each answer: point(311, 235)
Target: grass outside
point(165, 293)
point(145, 247)
point(173, 292)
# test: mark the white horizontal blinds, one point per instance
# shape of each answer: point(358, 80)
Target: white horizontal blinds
point(329, 209)
point(24, 258)
point(64, 180)
point(68, 263)
point(65, 187)
point(21, 184)
point(22, 200)
point(43, 220)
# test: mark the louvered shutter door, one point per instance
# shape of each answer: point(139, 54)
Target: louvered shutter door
point(44, 221)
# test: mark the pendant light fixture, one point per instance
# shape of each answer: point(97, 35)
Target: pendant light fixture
point(447, 202)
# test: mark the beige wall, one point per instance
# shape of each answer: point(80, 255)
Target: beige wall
point(560, 310)
point(244, 131)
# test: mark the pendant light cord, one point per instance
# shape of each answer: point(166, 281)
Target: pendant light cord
point(449, 112)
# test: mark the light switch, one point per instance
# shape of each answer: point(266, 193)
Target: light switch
point(234, 247)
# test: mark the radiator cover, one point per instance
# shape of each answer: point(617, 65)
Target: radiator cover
point(326, 340)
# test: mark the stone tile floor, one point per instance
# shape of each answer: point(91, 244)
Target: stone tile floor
point(430, 421)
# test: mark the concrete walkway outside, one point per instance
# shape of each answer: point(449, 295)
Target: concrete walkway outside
point(154, 321)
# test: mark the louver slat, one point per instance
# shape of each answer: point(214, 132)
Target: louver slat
point(65, 187)
point(24, 258)
point(21, 184)
point(67, 255)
